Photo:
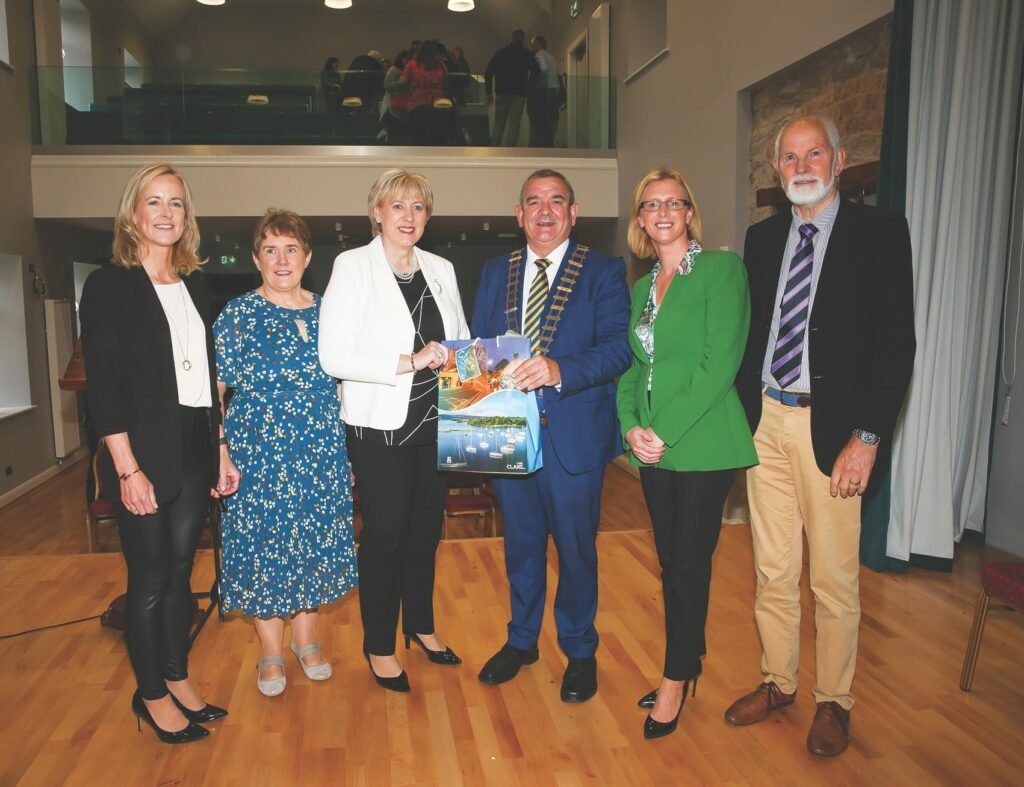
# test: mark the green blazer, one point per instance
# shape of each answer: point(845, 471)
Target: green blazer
point(699, 337)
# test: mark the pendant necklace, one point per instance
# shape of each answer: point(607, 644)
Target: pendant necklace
point(186, 364)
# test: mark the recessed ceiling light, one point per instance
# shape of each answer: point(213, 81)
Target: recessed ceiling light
point(211, 2)
point(460, 5)
point(338, 3)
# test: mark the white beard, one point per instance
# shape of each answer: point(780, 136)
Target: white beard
point(810, 194)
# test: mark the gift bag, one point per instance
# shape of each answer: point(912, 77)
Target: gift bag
point(484, 423)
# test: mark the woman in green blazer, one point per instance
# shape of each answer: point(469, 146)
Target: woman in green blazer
point(682, 420)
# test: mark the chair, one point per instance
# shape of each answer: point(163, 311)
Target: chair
point(1005, 580)
point(97, 511)
point(467, 496)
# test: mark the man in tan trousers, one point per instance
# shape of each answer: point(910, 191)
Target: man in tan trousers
point(828, 360)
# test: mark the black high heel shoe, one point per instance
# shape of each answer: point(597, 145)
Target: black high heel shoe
point(446, 656)
point(648, 700)
point(191, 732)
point(659, 729)
point(398, 683)
point(204, 715)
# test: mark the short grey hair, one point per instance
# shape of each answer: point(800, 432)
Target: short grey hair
point(831, 131)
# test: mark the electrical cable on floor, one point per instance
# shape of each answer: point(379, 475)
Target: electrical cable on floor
point(47, 628)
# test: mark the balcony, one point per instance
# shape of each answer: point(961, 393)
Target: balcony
point(124, 106)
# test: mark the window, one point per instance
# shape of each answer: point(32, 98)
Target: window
point(5, 47)
point(15, 395)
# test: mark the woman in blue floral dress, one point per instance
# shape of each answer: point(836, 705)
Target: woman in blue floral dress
point(287, 534)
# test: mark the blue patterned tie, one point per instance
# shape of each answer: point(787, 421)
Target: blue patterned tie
point(794, 308)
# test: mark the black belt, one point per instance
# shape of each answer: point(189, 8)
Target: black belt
point(787, 398)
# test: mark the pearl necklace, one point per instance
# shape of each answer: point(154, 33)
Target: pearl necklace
point(402, 275)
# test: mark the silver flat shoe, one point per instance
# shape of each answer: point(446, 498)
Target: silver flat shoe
point(274, 686)
point(320, 671)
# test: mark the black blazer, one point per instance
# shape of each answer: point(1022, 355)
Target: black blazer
point(129, 363)
point(861, 336)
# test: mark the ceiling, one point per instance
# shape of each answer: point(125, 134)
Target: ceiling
point(160, 16)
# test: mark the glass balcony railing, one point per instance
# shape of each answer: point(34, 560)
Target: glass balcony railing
point(125, 106)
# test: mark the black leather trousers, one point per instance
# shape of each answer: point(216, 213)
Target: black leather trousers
point(159, 550)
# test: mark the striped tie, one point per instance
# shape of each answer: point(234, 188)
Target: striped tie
point(794, 308)
point(535, 301)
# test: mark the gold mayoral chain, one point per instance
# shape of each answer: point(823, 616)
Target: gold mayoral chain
point(563, 289)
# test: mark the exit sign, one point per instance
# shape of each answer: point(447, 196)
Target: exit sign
point(228, 259)
point(574, 8)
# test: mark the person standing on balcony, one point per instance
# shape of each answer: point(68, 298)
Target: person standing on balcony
point(394, 109)
point(506, 80)
point(364, 79)
point(542, 102)
point(573, 303)
point(458, 75)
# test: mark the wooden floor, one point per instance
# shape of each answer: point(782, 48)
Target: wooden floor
point(64, 693)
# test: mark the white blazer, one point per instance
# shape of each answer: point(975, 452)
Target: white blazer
point(365, 326)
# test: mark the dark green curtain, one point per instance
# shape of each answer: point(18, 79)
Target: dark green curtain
point(892, 194)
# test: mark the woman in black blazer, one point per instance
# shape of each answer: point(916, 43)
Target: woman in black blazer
point(148, 345)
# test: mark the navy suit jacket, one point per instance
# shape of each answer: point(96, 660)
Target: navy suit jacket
point(590, 346)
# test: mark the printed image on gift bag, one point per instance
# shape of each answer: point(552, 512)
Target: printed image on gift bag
point(484, 423)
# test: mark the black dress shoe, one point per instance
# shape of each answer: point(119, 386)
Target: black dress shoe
point(398, 683)
point(579, 683)
point(204, 715)
point(446, 656)
point(506, 663)
point(191, 732)
point(659, 729)
point(648, 700)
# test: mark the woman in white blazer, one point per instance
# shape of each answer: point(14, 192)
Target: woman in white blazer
point(388, 307)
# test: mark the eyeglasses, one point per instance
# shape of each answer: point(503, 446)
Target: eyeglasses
point(654, 205)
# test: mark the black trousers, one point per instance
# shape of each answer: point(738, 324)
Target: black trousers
point(401, 496)
point(542, 109)
point(686, 513)
point(159, 550)
point(431, 126)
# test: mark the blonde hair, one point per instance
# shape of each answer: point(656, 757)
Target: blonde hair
point(129, 248)
point(398, 183)
point(284, 223)
point(636, 236)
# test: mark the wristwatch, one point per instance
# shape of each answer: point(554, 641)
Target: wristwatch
point(868, 438)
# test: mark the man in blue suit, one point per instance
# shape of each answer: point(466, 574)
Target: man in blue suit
point(573, 303)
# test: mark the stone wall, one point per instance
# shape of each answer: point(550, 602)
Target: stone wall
point(844, 81)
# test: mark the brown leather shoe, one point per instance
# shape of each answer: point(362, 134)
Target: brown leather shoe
point(754, 707)
point(830, 731)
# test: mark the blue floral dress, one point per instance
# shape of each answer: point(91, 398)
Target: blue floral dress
point(287, 532)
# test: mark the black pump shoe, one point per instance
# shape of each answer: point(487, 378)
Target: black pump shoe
point(648, 700)
point(204, 715)
point(398, 683)
point(446, 656)
point(659, 729)
point(191, 732)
